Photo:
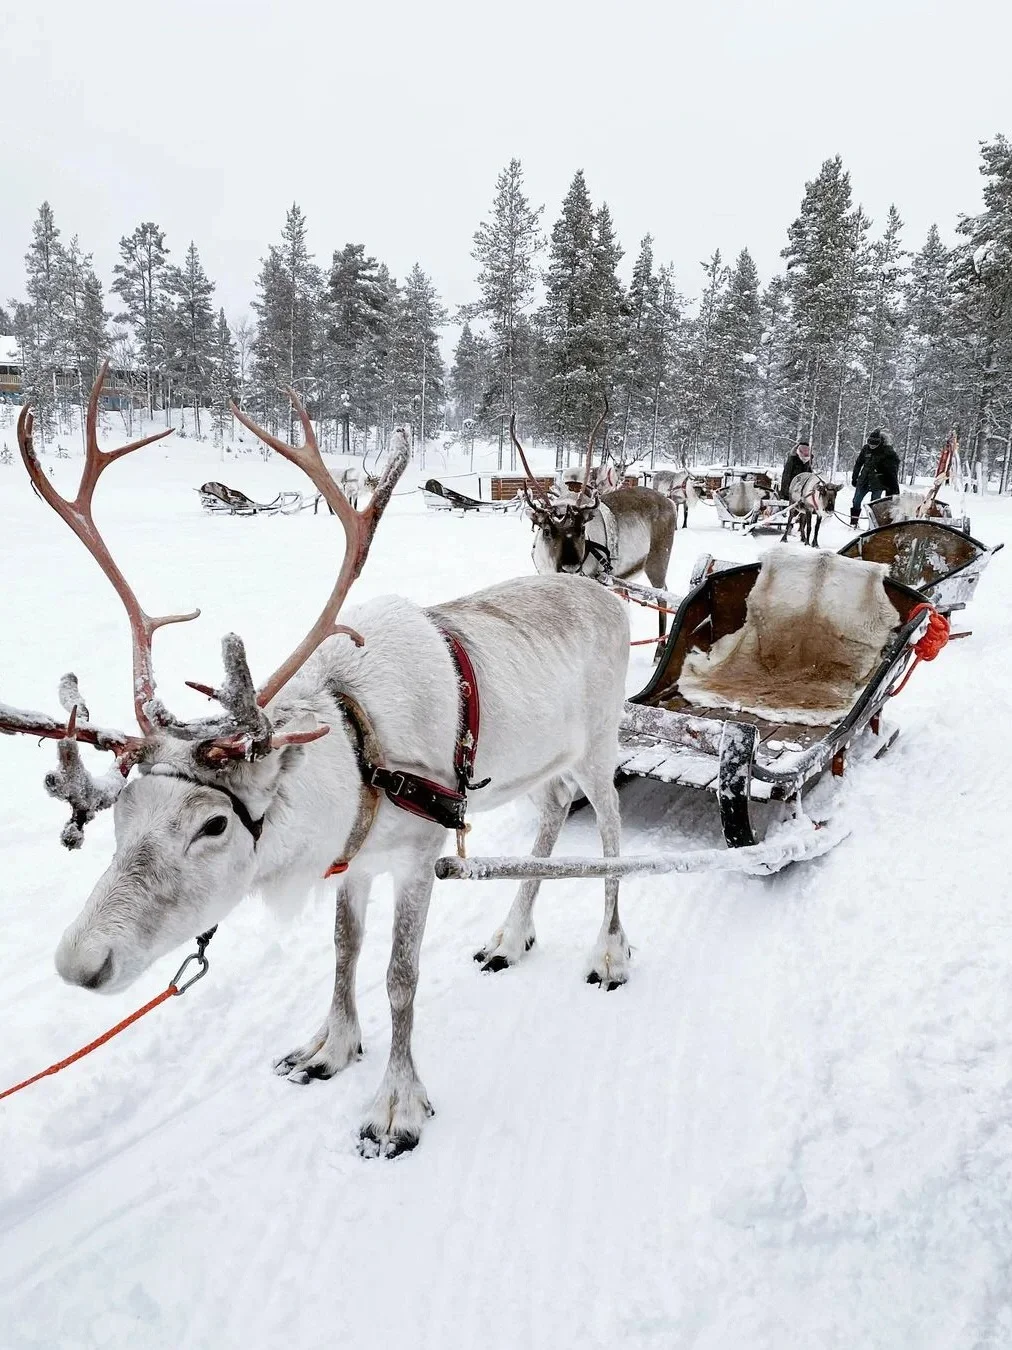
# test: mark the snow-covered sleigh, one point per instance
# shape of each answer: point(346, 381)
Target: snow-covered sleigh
point(440, 498)
point(932, 556)
point(675, 733)
point(220, 499)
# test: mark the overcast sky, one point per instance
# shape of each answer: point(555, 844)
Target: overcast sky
point(388, 122)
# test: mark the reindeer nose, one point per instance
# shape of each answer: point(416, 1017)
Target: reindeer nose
point(85, 963)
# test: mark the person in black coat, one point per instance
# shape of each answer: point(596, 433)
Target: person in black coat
point(798, 461)
point(875, 473)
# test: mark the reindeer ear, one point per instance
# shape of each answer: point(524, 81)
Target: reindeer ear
point(295, 725)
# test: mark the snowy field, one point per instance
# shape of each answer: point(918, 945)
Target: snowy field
point(791, 1129)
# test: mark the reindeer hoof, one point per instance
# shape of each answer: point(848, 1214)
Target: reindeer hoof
point(371, 1144)
point(493, 959)
point(609, 986)
point(317, 1062)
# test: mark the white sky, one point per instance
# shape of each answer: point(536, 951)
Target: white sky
point(388, 122)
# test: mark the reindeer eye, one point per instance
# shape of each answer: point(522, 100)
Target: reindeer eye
point(216, 825)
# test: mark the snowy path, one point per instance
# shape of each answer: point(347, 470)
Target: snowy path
point(792, 1128)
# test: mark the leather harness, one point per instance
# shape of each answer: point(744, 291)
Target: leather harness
point(410, 791)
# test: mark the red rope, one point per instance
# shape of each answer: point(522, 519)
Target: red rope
point(86, 1050)
point(927, 647)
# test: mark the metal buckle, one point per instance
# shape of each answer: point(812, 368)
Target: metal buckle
point(395, 787)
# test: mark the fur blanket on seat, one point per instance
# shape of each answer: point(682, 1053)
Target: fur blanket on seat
point(815, 628)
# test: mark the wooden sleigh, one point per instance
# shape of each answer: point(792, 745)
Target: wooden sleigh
point(738, 756)
point(220, 499)
point(440, 498)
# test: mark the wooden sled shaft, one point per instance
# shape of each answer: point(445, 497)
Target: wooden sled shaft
point(806, 841)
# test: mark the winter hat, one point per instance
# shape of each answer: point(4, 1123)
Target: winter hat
point(875, 439)
point(804, 450)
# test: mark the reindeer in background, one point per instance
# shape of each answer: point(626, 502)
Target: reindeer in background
point(351, 760)
point(811, 498)
point(680, 486)
point(618, 534)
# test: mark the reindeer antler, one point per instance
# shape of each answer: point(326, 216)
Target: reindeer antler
point(590, 450)
point(359, 528)
point(79, 516)
point(527, 469)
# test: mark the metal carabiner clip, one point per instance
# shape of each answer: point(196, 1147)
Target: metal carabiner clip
point(202, 962)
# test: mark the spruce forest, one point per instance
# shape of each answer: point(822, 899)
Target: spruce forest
point(860, 327)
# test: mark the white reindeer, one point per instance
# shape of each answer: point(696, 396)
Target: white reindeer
point(264, 799)
point(350, 481)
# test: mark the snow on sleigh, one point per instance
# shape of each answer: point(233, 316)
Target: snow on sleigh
point(220, 499)
point(440, 498)
point(774, 674)
point(940, 561)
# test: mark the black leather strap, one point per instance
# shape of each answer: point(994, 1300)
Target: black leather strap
point(255, 827)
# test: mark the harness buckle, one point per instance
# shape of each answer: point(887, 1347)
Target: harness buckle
point(396, 785)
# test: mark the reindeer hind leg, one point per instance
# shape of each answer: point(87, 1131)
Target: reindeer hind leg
point(516, 934)
point(608, 965)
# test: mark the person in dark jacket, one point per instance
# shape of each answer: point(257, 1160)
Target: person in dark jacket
point(875, 473)
point(798, 461)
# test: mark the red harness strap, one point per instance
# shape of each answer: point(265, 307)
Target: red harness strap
point(410, 791)
point(470, 717)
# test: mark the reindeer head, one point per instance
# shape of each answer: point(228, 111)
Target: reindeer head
point(560, 522)
point(189, 819)
point(825, 495)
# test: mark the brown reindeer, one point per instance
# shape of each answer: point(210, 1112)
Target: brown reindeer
point(617, 534)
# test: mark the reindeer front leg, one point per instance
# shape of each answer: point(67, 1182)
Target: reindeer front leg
point(339, 1039)
point(401, 1107)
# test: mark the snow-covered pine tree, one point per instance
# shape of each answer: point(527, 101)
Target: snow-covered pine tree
point(827, 270)
point(139, 281)
point(290, 318)
point(882, 325)
point(190, 334)
point(636, 385)
point(736, 335)
point(471, 376)
point(6, 322)
point(223, 376)
point(928, 357)
point(699, 371)
point(360, 314)
point(982, 276)
point(607, 323)
point(774, 415)
point(87, 319)
point(244, 335)
point(505, 249)
point(572, 354)
point(42, 324)
point(415, 371)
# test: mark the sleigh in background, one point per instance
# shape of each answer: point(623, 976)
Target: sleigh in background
point(220, 499)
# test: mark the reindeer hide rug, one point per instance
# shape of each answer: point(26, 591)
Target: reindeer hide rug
point(815, 628)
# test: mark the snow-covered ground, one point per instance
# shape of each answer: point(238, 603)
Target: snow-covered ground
point(792, 1128)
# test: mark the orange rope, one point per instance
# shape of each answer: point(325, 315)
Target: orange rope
point(646, 642)
point(927, 647)
point(107, 1036)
